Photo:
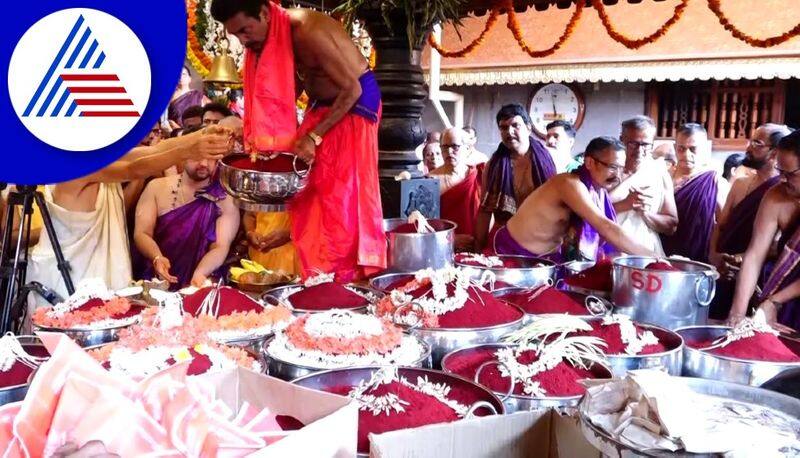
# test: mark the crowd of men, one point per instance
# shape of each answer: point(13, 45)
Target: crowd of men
point(623, 195)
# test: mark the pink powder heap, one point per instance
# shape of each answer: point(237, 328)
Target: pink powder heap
point(546, 299)
point(612, 336)
point(763, 346)
point(230, 300)
point(562, 380)
point(596, 278)
point(662, 266)
point(326, 296)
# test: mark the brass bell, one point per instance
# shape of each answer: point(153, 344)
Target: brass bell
point(223, 69)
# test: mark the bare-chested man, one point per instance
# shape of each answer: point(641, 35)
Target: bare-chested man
point(644, 198)
point(735, 226)
point(89, 213)
point(779, 213)
point(185, 225)
point(520, 164)
point(337, 218)
point(572, 209)
point(459, 184)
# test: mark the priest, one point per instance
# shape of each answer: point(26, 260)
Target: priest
point(337, 219)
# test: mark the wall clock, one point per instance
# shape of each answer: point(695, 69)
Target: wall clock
point(555, 101)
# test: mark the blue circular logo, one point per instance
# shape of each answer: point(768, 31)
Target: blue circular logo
point(86, 82)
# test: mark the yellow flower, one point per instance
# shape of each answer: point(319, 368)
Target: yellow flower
point(182, 355)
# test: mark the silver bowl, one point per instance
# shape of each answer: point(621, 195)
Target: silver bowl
point(289, 371)
point(261, 187)
point(383, 282)
point(670, 361)
point(697, 363)
point(609, 446)
point(535, 273)
point(16, 393)
point(281, 294)
point(473, 393)
point(602, 305)
point(518, 402)
point(87, 337)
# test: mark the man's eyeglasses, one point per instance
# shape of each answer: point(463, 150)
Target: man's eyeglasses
point(613, 168)
point(641, 146)
point(451, 146)
point(787, 173)
point(759, 144)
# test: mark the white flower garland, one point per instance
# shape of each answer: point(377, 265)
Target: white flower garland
point(634, 342)
point(319, 279)
point(89, 288)
point(146, 362)
point(343, 324)
point(748, 327)
point(11, 351)
point(389, 402)
point(486, 261)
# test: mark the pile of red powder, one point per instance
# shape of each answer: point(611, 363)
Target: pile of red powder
point(763, 346)
point(411, 228)
point(562, 380)
point(283, 163)
point(597, 278)
point(546, 299)
point(422, 409)
point(18, 373)
point(230, 301)
point(481, 309)
point(326, 296)
point(662, 266)
point(612, 336)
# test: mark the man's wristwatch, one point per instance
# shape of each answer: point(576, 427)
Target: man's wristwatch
point(316, 138)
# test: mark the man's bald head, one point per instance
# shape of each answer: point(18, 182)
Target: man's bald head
point(455, 142)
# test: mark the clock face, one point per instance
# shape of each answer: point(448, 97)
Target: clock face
point(555, 101)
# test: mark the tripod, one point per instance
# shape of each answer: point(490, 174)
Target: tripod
point(14, 259)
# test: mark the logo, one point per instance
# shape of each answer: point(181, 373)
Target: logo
point(79, 79)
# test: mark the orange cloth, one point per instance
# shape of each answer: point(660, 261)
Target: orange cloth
point(337, 219)
point(460, 203)
point(270, 121)
point(283, 257)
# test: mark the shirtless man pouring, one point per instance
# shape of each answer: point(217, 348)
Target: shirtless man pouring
point(572, 207)
point(337, 218)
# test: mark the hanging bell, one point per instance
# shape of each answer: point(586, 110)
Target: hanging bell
point(223, 70)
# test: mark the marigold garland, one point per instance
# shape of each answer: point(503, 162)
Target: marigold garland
point(637, 43)
point(714, 6)
point(490, 22)
point(199, 59)
point(513, 25)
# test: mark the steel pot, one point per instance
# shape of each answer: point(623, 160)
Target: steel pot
point(535, 273)
point(261, 187)
point(289, 371)
point(413, 252)
point(518, 402)
point(595, 306)
point(471, 393)
point(17, 392)
point(668, 299)
point(281, 294)
point(697, 363)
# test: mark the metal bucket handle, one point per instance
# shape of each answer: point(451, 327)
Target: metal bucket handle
point(300, 173)
point(480, 404)
point(499, 364)
point(272, 300)
point(597, 306)
point(399, 319)
point(560, 283)
point(711, 276)
point(550, 281)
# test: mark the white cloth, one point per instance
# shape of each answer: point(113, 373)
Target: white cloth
point(562, 160)
point(94, 243)
point(650, 180)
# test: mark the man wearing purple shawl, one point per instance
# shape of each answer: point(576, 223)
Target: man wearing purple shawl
point(571, 214)
point(699, 195)
point(185, 225)
point(735, 228)
point(779, 212)
point(520, 165)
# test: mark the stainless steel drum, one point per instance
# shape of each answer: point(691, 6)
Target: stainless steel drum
point(413, 252)
point(283, 293)
point(697, 363)
point(519, 402)
point(252, 186)
point(531, 273)
point(668, 299)
point(17, 392)
point(289, 371)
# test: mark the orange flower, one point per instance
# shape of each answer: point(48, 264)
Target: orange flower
point(513, 25)
point(470, 47)
point(714, 6)
point(114, 307)
point(638, 43)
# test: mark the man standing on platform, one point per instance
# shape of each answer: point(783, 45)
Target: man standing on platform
point(779, 212)
point(459, 185)
point(571, 215)
point(184, 226)
point(644, 199)
point(735, 227)
point(519, 166)
point(699, 195)
point(337, 218)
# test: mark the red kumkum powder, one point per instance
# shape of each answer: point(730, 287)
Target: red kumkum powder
point(562, 380)
point(763, 346)
point(481, 309)
point(663, 266)
point(326, 296)
point(18, 373)
point(280, 164)
point(613, 337)
point(422, 410)
point(547, 300)
point(598, 277)
point(230, 301)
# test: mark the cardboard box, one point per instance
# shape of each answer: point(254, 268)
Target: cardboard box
point(535, 434)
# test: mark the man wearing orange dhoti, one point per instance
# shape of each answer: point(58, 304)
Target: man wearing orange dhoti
point(336, 220)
